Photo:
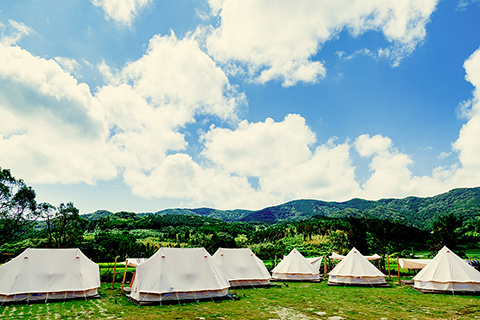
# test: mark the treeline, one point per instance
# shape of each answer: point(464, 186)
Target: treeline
point(25, 223)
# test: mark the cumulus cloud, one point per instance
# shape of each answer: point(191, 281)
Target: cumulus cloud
point(279, 41)
point(280, 155)
point(51, 129)
point(121, 11)
point(367, 146)
point(390, 173)
point(328, 175)
point(178, 74)
point(180, 177)
point(257, 149)
point(54, 130)
point(467, 145)
point(150, 99)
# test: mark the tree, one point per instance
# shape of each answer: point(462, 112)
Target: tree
point(17, 207)
point(64, 226)
point(446, 231)
point(111, 244)
point(357, 234)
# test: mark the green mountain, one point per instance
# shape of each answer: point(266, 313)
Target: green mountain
point(414, 211)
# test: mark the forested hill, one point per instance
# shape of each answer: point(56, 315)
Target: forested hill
point(414, 211)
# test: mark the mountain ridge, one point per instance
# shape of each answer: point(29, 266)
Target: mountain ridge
point(414, 211)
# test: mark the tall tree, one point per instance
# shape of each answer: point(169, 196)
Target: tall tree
point(17, 207)
point(64, 226)
point(447, 231)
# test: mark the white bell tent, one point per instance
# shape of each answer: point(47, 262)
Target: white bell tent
point(295, 267)
point(179, 274)
point(242, 267)
point(447, 273)
point(46, 274)
point(355, 269)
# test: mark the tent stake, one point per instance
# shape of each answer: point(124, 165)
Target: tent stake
point(114, 270)
point(124, 275)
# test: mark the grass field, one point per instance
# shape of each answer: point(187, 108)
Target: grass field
point(291, 301)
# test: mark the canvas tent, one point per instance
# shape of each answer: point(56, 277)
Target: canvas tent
point(447, 272)
point(316, 262)
point(134, 262)
point(413, 263)
point(179, 274)
point(355, 269)
point(242, 267)
point(45, 274)
point(128, 275)
point(295, 267)
point(337, 256)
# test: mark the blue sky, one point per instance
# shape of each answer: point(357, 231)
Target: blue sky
point(143, 105)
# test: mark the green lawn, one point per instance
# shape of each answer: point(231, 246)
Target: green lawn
point(291, 301)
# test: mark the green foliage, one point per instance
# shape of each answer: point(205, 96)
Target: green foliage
point(313, 227)
point(64, 226)
point(17, 207)
point(447, 231)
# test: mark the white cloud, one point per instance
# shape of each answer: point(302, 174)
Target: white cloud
point(328, 175)
point(278, 41)
point(51, 129)
point(10, 34)
point(179, 177)
point(121, 11)
point(258, 149)
point(150, 99)
point(367, 146)
point(444, 155)
point(463, 4)
point(278, 153)
point(361, 52)
point(68, 64)
point(177, 74)
point(54, 130)
point(391, 176)
point(467, 145)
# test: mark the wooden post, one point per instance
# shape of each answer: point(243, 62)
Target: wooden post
point(124, 275)
point(379, 267)
point(325, 267)
point(133, 278)
point(398, 267)
point(114, 270)
point(469, 259)
point(388, 266)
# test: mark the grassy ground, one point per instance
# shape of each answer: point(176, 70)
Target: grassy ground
point(291, 301)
